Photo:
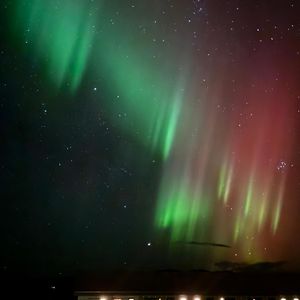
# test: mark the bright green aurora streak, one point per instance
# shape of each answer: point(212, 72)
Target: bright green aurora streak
point(60, 34)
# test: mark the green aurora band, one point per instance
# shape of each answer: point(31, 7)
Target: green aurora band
point(62, 36)
point(59, 34)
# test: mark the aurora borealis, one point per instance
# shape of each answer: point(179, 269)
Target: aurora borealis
point(146, 124)
point(63, 28)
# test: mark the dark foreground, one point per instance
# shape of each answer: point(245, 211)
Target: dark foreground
point(168, 281)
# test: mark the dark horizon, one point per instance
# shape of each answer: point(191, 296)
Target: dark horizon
point(160, 282)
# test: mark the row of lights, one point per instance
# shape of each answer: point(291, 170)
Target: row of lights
point(221, 298)
point(195, 298)
point(185, 298)
point(105, 298)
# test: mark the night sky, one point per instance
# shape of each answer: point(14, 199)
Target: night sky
point(149, 134)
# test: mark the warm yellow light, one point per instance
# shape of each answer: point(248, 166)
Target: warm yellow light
point(296, 298)
point(282, 299)
point(103, 298)
point(222, 298)
point(182, 298)
point(197, 298)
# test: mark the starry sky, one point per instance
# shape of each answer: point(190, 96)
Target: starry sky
point(149, 134)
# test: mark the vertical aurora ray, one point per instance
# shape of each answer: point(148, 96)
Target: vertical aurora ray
point(249, 197)
point(262, 214)
point(60, 34)
point(225, 180)
point(278, 207)
point(171, 128)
